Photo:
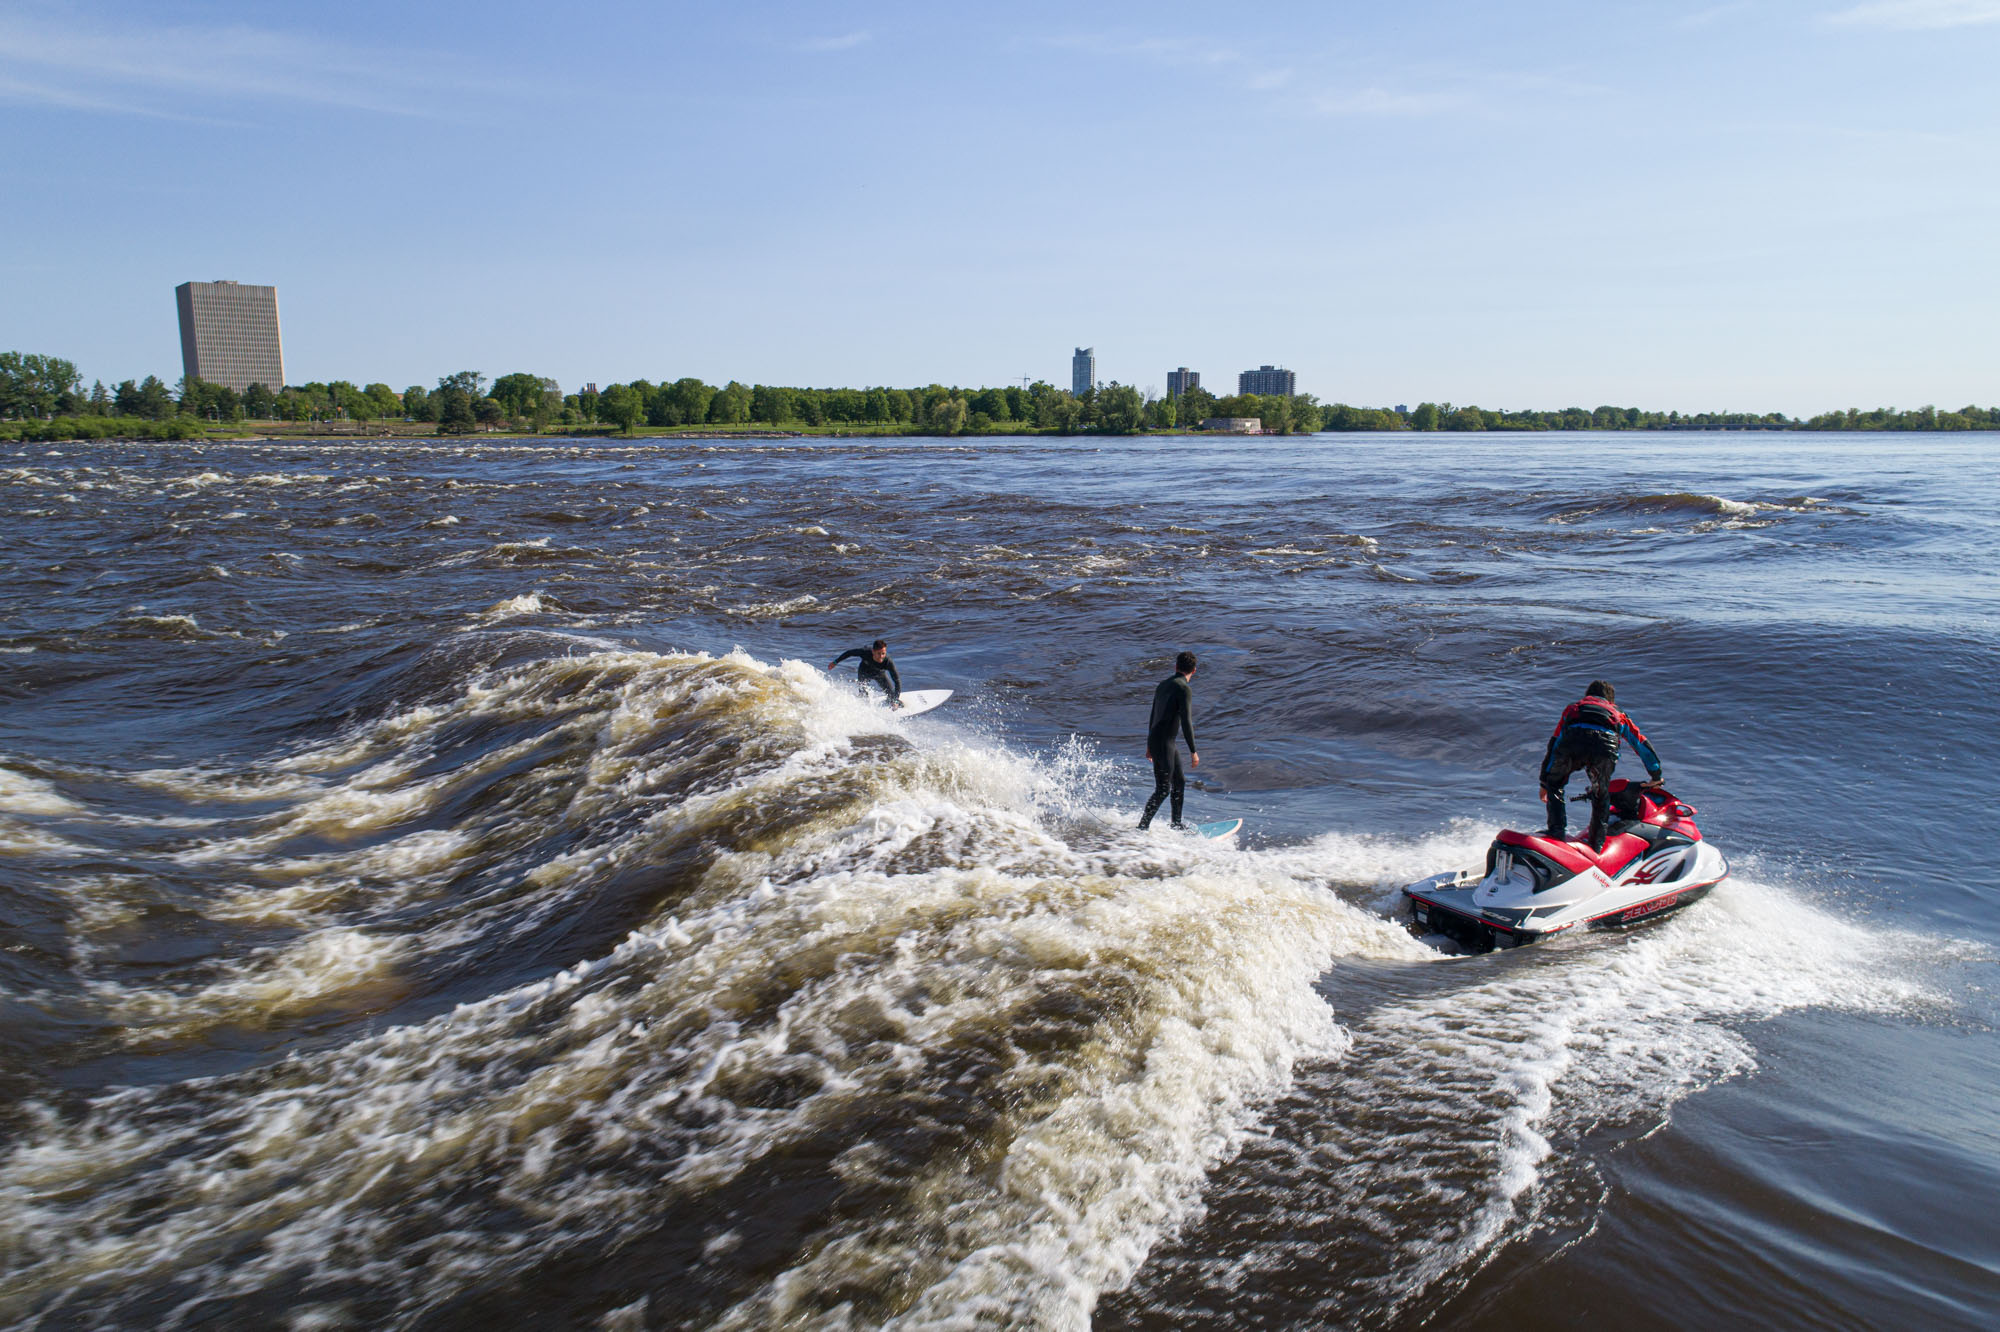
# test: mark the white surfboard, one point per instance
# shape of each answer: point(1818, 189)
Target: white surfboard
point(1216, 832)
point(920, 700)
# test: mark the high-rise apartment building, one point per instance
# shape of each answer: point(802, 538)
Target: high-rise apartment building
point(1267, 380)
point(1083, 370)
point(229, 334)
point(1181, 380)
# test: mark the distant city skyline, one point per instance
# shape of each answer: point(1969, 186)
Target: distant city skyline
point(1702, 207)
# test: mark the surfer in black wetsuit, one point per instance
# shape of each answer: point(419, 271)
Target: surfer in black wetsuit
point(1173, 710)
point(875, 669)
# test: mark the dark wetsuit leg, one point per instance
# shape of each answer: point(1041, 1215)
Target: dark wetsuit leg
point(1596, 760)
point(1169, 781)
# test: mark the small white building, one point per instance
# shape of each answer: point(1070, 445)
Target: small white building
point(1234, 425)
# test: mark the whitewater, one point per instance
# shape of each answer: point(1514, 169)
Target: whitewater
point(427, 924)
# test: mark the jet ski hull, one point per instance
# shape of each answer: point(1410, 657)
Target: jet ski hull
point(1653, 864)
point(1450, 911)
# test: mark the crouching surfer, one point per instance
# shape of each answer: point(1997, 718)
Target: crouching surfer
point(1586, 739)
point(875, 669)
point(1173, 711)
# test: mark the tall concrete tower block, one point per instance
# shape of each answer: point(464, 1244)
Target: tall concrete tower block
point(229, 334)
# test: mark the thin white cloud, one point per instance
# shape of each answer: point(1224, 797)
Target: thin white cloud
point(176, 72)
point(1264, 76)
point(846, 41)
point(1383, 102)
point(1917, 14)
point(1703, 18)
point(1159, 50)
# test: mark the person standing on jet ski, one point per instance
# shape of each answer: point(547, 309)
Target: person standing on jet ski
point(1586, 738)
point(875, 669)
point(1173, 711)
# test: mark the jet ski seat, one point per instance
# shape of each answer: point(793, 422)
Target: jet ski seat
point(1620, 848)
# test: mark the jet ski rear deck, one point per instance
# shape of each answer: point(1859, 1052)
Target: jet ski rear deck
point(1654, 862)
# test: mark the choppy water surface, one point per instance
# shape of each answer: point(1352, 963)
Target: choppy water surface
point(439, 889)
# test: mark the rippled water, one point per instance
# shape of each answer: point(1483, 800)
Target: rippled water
point(439, 889)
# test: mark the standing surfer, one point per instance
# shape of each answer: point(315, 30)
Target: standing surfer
point(1586, 738)
point(875, 669)
point(1173, 710)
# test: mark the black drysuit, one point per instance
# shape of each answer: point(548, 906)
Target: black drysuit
point(1173, 710)
point(1586, 740)
point(880, 673)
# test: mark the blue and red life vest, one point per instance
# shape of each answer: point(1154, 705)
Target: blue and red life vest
point(1592, 713)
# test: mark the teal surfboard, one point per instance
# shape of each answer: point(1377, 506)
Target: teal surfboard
point(1217, 831)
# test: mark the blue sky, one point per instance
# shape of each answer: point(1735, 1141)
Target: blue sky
point(1771, 204)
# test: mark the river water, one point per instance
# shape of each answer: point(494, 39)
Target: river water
point(440, 889)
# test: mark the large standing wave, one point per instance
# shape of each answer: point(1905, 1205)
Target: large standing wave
point(817, 1014)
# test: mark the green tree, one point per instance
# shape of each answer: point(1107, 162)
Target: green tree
point(1065, 412)
point(1162, 414)
point(621, 405)
point(1425, 417)
point(350, 402)
point(991, 403)
point(521, 394)
point(35, 385)
point(153, 400)
point(687, 402)
point(213, 402)
point(417, 404)
point(1196, 405)
point(774, 405)
point(1120, 409)
point(469, 382)
point(454, 410)
point(488, 412)
point(730, 405)
point(947, 414)
point(1306, 416)
point(210, 402)
point(259, 402)
point(845, 404)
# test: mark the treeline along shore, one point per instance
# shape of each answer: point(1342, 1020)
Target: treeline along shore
point(42, 398)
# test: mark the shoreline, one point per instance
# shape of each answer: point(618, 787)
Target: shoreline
point(277, 433)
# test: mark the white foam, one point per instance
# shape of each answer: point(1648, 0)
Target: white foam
point(775, 609)
point(514, 608)
point(935, 916)
point(22, 794)
point(268, 986)
point(170, 626)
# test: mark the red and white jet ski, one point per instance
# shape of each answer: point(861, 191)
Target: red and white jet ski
point(1654, 862)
